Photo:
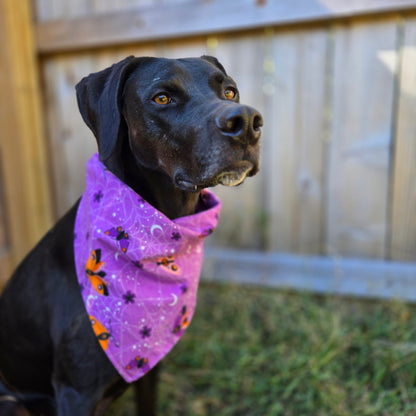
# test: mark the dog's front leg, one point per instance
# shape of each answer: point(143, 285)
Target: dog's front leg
point(71, 402)
point(76, 398)
point(146, 392)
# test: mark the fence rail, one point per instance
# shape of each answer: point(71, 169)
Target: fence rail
point(197, 18)
point(316, 274)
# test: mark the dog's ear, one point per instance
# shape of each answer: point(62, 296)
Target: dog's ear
point(99, 100)
point(214, 61)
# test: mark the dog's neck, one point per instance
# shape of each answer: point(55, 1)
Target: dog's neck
point(154, 187)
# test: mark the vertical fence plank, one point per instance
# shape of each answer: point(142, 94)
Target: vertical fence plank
point(311, 132)
point(297, 132)
point(283, 148)
point(362, 106)
point(70, 140)
point(24, 164)
point(403, 228)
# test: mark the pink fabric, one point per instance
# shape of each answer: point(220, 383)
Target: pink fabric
point(137, 269)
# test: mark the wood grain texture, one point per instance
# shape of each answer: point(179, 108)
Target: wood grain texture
point(403, 222)
point(57, 9)
point(295, 156)
point(362, 117)
point(24, 159)
point(182, 19)
point(71, 142)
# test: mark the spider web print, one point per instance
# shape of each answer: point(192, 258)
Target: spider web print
point(138, 270)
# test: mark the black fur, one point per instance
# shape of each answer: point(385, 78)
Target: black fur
point(50, 360)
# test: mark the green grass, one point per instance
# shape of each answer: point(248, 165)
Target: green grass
point(261, 352)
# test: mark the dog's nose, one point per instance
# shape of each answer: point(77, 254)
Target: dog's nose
point(240, 122)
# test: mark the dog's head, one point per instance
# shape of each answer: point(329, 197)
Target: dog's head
point(181, 117)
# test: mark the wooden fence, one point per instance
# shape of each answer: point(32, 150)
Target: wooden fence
point(334, 205)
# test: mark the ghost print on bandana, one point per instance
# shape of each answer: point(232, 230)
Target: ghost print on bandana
point(138, 270)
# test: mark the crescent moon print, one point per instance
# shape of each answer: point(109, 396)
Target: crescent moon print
point(90, 300)
point(137, 271)
point(155, 227)
point(175, 300)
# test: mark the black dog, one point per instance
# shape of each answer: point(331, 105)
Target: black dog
point(167, 128)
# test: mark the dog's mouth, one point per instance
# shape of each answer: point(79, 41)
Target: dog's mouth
point(232, 175)
point(235, 174)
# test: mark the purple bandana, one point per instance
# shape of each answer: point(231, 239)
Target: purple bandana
point(138, 270)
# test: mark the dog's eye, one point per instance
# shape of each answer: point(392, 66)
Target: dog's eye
point(162, 99)
point(230, 93)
